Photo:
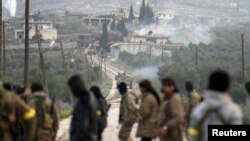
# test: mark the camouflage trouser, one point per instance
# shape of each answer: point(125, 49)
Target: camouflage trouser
point(46, 137)
point(124, 133)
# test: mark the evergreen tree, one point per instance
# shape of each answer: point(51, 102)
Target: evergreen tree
point(113, 25)
point(143, 10)
point(104, 37)
point(131, 13)
point(146, 14)
point(122, 27)
point(149, 15)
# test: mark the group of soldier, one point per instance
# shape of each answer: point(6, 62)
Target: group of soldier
point(27, 114)
point(33, 117)
point(172, 119)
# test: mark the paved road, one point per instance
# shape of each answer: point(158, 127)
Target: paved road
point(111, 132)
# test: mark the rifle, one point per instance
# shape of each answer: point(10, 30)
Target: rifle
point(247, 87)
point(53, 106)
point(108, 107)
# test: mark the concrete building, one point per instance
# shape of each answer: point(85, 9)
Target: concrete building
point(159, 40)
point(94, 22)
point(46, 29)
point(165, 16)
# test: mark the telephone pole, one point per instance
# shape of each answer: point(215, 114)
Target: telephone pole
point(1, 21)
point(26, 52)
point(196, 55)
point(4, 50)
point(39, 43)
point(243, 58)
point(65, 68)
point(162, 51)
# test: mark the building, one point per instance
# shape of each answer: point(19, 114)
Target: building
point(158, 40)
point(83, 40)
point(94, 22)
point(134, 39)
point(46, 29)
point(164, 16)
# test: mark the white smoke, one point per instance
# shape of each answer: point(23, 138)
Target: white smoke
point(149, 72)
point(11, 6)
point(195, 34)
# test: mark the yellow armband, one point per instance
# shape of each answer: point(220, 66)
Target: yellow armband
point(193, 131)
point(30, 114)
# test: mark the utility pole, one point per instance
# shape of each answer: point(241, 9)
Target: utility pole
point(139, 50)
point(1, 20)
point(196, 55)
point(150, 51)
point(38, 38)
point(63, 56)
point(26, 52)
point(162, 53)
point(65, 67)
point(4, 51)
point(243, 58)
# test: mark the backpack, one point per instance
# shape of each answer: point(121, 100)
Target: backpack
point(216, 112)
point(5, 114)
point(43, 116)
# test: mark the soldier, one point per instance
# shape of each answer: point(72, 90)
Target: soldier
point(149, 111)
point(193, 99)
point(102, 110)
point(128, 112)
point(172, 116)
point(84, 124)
point(14, 109)
point(47, 120)
point(217, 108)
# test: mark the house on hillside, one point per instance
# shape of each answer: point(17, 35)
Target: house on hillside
point(164, 16)
point(46, 29)
point(159, 40)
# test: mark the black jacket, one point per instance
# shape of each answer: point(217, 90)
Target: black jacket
point(102, 106)
point(84, 124)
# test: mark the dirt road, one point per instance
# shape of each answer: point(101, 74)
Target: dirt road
point(111, 132)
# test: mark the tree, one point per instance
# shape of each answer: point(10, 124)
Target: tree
point(113, 25)
point(143, 10)
point(150, 15)
point(104, 37)
point(146, 14)
point(122, 27)
point(131, 14)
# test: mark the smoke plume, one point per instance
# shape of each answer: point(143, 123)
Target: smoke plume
point(11, 6)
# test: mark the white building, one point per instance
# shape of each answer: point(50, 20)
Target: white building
point(165, 16)
point(46, 29)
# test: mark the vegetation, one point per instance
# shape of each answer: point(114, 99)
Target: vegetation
point(131, 13)
point(104, 37)
point(57, 76)
point(224, 52)
point(146, 14)
point(113, 24)
point(121, 26)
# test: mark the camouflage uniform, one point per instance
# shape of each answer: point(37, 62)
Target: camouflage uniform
point(193, 101)
point(12, 109)
point(128, 115)
point(47, 118)
point(172, 116)
point(149, 112)
point(217, 109)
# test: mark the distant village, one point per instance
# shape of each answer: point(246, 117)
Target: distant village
point(84, 28)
